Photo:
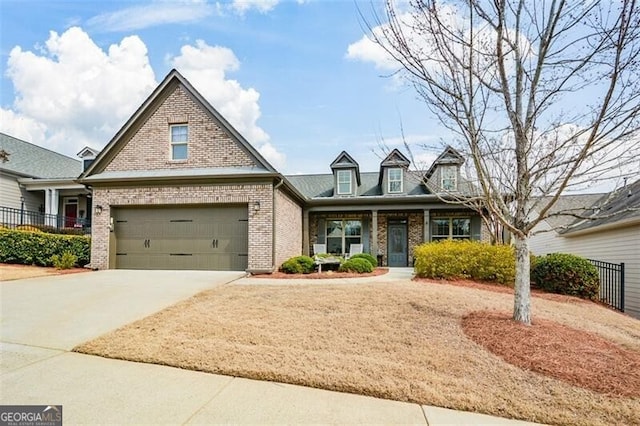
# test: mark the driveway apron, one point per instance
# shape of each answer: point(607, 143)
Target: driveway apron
point(63, 311)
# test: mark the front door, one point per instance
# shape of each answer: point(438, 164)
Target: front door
point(397, 243)
point(70, 213)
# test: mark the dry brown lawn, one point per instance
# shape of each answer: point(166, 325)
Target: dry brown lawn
point(398, 341)
point(9, 272)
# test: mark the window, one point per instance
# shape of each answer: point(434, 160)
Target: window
point(341, 234)
point(449, 176)
point(448, 228)
point(179, 141)
point(344, 182)
point(395, 180)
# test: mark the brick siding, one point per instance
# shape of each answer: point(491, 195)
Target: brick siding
point(288, 227)
point(209, 145)
point(260, 222)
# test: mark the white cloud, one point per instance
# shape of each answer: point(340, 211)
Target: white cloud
point(262, 6)
point(71, 93)
point(206, 67)
point(152, 14)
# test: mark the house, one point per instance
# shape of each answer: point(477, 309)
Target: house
point(179, 188)
point(37, 186)
point(389, 211)
point(613, 236)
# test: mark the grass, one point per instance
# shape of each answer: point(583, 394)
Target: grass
point(10, 272)
point(398, 341)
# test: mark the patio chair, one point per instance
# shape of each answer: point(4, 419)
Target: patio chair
point(319, 249)
point(354, 249)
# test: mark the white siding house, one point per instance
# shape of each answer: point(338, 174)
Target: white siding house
point(614, 239)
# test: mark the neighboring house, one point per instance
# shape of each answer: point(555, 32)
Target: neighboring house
point(614, 238)
point(37, 187)
point(179, 188)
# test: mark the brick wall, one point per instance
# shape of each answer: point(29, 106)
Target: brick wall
point(415, 228)
point(288, 225)
point(209, 145)
point(260, 222)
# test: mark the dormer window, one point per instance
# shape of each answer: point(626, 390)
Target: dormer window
point(395, 181)
point(449, 178)
point(179, 141)
point(344, 182)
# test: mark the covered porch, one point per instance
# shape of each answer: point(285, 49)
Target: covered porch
point(389, 233)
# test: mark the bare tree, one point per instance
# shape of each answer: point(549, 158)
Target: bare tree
point(541, 96)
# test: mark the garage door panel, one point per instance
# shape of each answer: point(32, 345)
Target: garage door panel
point(209, 238)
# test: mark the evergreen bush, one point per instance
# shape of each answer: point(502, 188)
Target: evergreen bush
point(564, 273)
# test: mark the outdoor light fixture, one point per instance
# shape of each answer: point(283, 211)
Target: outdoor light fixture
point(98, 209)
point(256, 206)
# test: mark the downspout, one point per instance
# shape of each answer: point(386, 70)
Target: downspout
point(273, 224)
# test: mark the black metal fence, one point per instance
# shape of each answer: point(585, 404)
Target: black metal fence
point(13, 218)
point(611, 283)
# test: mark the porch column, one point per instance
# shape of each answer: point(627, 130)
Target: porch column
point(51, 207)
point(305, 232)
point(425, 230)
point(374, 232)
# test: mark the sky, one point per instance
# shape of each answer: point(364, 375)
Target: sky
point(298, 79)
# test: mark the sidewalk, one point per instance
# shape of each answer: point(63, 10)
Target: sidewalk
point(99, 390)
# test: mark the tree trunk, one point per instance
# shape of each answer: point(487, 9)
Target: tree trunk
point(522, 300)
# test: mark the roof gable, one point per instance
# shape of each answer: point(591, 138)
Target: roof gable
point(395, 159)
point(29, 160)
point(345, 161)
point(449, 156)
point(174, 83)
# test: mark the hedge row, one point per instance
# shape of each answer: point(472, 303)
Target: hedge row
point(450, 259)
point(37, 248)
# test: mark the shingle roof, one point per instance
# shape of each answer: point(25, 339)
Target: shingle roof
point(578, 204)
point(30, 160)
point(619, 206)
point(322, 185)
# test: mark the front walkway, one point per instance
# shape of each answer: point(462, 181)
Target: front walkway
point(394, 275)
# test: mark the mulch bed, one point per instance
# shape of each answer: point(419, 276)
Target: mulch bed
point(577, 357)
point(324, 275)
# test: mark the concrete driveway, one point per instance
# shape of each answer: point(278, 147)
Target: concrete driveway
point(60, 312)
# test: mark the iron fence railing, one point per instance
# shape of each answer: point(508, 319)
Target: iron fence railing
point(611, 283)
point(13, 218)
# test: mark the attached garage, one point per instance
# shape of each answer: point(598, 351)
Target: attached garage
point(180, 237)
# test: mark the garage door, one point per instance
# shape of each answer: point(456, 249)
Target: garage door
point(205, 238)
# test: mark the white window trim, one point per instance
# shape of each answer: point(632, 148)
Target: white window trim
point(450, 236)
point(348, 172)
point(344, 235)
point(389, 181)
point(455, 177)
point(172, 143)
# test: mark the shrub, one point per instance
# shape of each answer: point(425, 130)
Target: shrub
point(372, 260)
point(66, 261)
point(298, 265)
point(450, 259)
point(359, 265)
point(28, 228)
point(37, 248)
point(566, 274)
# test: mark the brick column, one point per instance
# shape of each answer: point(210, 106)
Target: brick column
point(374, 232)
point(425, 237)
point(305, 232)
